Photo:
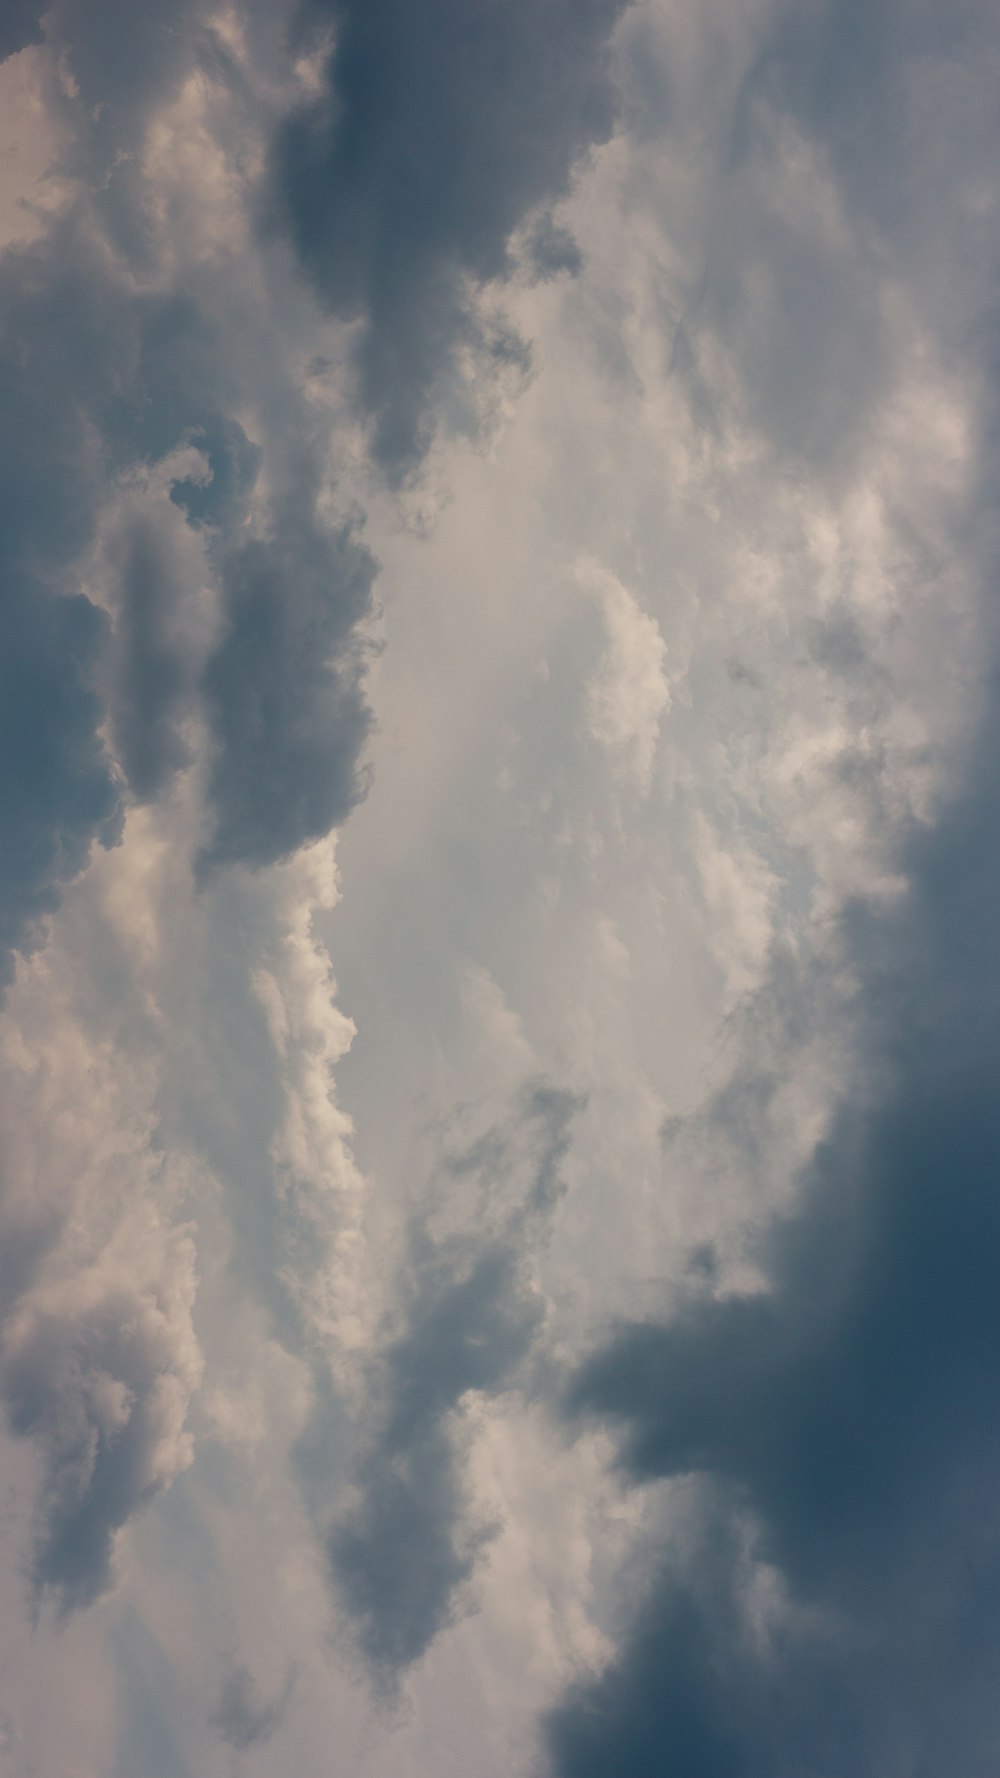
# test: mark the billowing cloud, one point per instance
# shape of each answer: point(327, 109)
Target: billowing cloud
point(402, 1552)
point(108, 381)
point(155, 648)
point(286, 710)
point(384, 1395)
point(99, 1374)
point(841, 1412)
point(21, 26)
point(59, 786)
point(435, 134)
point(811, 1408)
point(150, 606)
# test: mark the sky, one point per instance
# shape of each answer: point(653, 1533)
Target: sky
point(499, 1037)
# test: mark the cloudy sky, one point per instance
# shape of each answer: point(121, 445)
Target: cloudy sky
point(499, 870)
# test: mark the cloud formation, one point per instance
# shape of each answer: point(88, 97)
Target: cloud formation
point(21, 25)
point(403, 1551)
point(693, 835)
point(839, 1416)
point(283, 690)
point(99, 1372)
point(815, 1400)
point(106, 381)
point(435, 135)
point(160, 627)
point(60, 323)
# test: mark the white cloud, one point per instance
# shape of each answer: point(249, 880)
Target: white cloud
point(629, 694)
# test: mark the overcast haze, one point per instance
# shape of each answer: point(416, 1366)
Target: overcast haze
point(499, 860)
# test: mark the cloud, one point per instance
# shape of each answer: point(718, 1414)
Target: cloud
point(107, 381)
point(244, 1718)
point(629, 693)
point(62, 324)
point(20, 26)
point(552, 250)
point(435, 136)
point(402, 1552)
point(153, 604)
point(156, 647)
point(121, 59)
point(283, 690)
point(98, 1372)
point(742, 407)
point(842, 1413)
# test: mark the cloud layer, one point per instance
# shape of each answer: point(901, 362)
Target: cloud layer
point(497, 1041)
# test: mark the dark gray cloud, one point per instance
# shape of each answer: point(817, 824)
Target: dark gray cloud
point(152, 688)
point(100, 379)
point(61, 331)
point(845, 1415)
point(552, 250)
point(243, 1717)
point(191, 372)
point(20, 24)
point(283, 690)
point(138, 613)
point(839, 1426)
point(439, 130)
point(401, 1555)
point(399, 189)
point(72, 371)
point(121, 57)
point(57, 791)
point(99, 1380)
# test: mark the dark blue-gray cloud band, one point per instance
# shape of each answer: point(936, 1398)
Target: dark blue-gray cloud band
point(848, 1414)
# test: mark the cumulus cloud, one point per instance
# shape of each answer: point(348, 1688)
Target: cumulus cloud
point(841, 1412)
point(283, 690)
point(279, 251)
point(160, 627)
point(434, 136)
point(105, 379)
point(99, 1373)
point(62, 327)
point(402, 1552)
